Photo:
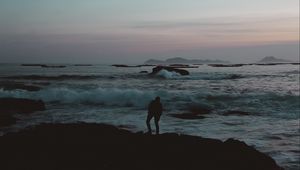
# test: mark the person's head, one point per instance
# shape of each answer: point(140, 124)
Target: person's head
point(157, 99)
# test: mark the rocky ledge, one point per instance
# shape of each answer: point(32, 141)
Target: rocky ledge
point(105, 147)
point(11, 106)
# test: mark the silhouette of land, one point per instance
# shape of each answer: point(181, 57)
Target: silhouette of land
point(105, 147)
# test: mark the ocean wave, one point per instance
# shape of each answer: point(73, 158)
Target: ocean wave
point(168, 74)
point(101, 96)
point(293, 72)
point(118, 97)
point(59, 77)
point(162, 74)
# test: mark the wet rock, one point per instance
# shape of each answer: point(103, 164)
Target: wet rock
point(123, 65)
point(199, 110)
point(11, 106)
point(53, 66)
point(157, 69)
point(144, 72)
point(44, 65)
point(235, 112)
point(227, 65)
point(18, 85)
point(92, 146)
point(183, 66)
point(16, 105)
point(187, 116)
point(83, 65)
point(6, 119)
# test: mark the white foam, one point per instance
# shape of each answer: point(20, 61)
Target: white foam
point(168, 74)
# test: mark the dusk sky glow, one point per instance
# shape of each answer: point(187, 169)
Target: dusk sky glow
point(132, 31)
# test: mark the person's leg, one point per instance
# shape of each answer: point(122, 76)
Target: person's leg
point(149, 117)
point(156, 120)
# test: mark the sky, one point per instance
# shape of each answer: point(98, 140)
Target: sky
point(132, 31)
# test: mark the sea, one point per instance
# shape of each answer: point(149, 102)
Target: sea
point(269, 94)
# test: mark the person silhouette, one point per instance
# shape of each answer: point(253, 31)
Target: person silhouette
point(154, 110)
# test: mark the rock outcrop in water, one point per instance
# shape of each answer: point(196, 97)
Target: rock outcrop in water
point(227, 65)
point(10, 85)
point(237, 113)
point(157, 69)
point(92, 146)
point(194, 112)
point(10, 106)
point(188, 116)
point(43, 65)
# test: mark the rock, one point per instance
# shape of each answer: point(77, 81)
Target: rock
point(6, 119)
point(17, 85)
point(11, 106)
point(123, 65)
point(195, 112)
point(53, 66)
point(179, 60)
point(32, 65)
point(272, 59)
point(226, 65)
point(98, 146)
point(16, 105)
point(182, 66)
point(84, 65)
point(199, 110)
point(157, 69)
point(234, 112)
point(44, 65)
point(188, 116)
point(144, 72)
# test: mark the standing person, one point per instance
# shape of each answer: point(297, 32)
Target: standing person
point(154, 110)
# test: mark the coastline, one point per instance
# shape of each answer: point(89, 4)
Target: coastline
point(101, 146)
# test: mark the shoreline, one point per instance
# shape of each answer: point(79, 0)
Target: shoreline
point(102, 146)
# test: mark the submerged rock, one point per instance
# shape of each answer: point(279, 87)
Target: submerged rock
point(123, 65)
point(92, 146)
point(188, 116)
point(144, 72)
point(227, 65)
point(18, 85)
point(157, 69)
point(235, 112)
point(199, 110)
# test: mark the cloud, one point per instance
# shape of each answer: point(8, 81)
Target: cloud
point(182, 24)
point(217, 22)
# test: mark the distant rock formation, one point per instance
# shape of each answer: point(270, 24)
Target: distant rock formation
point(179, 60)
point(272, 59)
point(153, 61)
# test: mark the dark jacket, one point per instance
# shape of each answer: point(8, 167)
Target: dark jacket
point(155, 108)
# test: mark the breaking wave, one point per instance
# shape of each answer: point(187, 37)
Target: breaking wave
point(101, 96)
point(117, 97)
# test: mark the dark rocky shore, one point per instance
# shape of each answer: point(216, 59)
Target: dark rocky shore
point(11, 106)
point(105, 147)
